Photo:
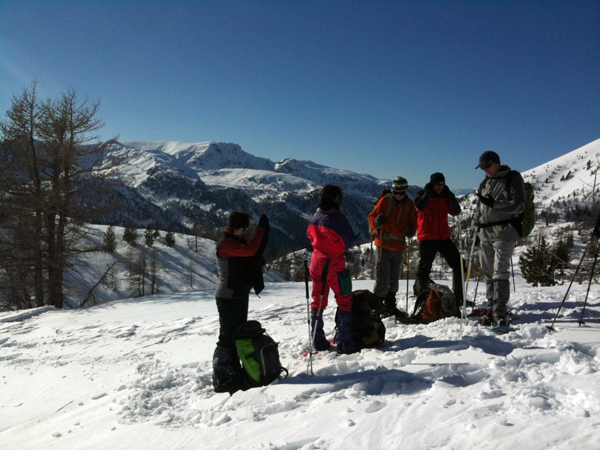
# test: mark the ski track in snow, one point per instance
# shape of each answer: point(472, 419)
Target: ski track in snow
point(461, 380)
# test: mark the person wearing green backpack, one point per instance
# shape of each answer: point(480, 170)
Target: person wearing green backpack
point(497, 218)
point(239, 265)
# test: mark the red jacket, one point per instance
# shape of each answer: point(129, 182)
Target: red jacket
point(433, 215)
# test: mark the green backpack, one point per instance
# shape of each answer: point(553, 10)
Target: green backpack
point(258, 353)
point(524, 222)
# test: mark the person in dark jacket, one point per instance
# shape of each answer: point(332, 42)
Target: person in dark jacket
point(331, 235)
point(501, 200)
point(434, 203)
point(239, 266)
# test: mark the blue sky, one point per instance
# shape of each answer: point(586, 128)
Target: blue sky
point(380, 87)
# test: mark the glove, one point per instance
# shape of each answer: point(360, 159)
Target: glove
point(410, 232)
point(380, 221)
point(428, 188)
point(446, 191)
point(487, 201)
point(263, 222)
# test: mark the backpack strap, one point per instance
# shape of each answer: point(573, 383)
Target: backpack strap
point(387, 236)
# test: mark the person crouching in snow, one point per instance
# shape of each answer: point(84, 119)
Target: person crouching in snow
point(239, 266)
point(331, 235)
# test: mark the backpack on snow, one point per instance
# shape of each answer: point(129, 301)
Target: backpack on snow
point(258, 353)
point(367, 329)
point(437, 302)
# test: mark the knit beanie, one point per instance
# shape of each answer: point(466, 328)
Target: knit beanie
point(437, 178)
point(238, 219)
point(399, 186)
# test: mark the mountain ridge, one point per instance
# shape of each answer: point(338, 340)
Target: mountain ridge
point(182, 184)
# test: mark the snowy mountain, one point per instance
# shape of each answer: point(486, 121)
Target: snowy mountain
point(569, 179)
point(181, 183)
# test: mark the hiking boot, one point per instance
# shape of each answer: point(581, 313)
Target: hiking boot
point(343, 338)
point(347, 348)
point(500, 321)
point(322, 345)
point(395, 312)
point(316, 321)
point(389, 306)
point(485, 321)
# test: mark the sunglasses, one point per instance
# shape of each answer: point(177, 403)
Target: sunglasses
point(487, 165)
point(441, 183)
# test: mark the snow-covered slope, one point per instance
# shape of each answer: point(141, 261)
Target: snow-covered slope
point(190, 264)
point(136, 374)
point(570, 177)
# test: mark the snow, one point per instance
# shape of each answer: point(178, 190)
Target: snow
point(136, 374)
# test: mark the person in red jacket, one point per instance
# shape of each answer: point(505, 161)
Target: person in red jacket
point(331, 235)
point(435, 203)
point(239, 267)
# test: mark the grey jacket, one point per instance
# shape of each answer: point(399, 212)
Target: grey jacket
point(507, 204)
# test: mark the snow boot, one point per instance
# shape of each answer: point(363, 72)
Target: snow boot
point(389, 306)
point(316, 320)
point(500, 321)
point(486, 319)
point(343, 338)
point(227, 376)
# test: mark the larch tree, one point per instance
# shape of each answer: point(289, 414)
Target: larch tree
point(54, 177)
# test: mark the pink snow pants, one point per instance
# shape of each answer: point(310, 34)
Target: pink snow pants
point(338, 279)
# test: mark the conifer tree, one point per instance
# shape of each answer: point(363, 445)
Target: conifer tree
point(149, 236)
point(130, 234)
point(170, 237)
point(110, 240)
point(539, 264)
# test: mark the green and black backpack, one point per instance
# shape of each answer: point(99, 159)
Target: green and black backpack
point(525, 222)
point(258, 353)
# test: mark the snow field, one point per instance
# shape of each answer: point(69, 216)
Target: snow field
point(137, 374)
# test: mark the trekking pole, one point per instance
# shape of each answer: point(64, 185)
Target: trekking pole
point(310, 368)
point(581, 322)
point(469, 273)
point(551, 327)
point(462, 270)
point(595, 235)
point(407, 272)
point(513, 274)
point(476, 287)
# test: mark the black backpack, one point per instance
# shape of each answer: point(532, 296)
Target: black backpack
point(525, 222)
point(258, 353)
point(368, 331)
